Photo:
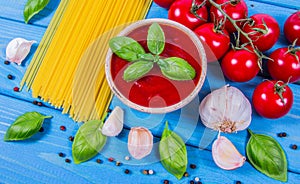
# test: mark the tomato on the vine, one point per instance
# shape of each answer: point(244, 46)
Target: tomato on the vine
point(164, 3)
point(292, 28)
point(180, 11)
point(272, 99)
point(285, 65)
point(240, 65)
point(216, 40)
point(235, 9)
point(263, 30)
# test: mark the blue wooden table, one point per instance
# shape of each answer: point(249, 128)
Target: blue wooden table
point(37, 160)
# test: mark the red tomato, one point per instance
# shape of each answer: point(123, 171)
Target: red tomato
point(267, 101)
point(180, 11)
point(164, 3)
point(240, 65)
point(216, 41)
point(285, 64)
point(292, 28)
point(268, 34)
point(237, 10)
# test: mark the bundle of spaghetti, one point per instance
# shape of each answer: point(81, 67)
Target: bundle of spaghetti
point(69, 72)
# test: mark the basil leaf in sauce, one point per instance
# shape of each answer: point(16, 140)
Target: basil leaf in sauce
point(173, 153)
point(25, 126)
point(126, 48)
point(176, 68)
point(267, 156)
point(155, 39)
point(137, 70)
point(33, 7)
point(88, 141)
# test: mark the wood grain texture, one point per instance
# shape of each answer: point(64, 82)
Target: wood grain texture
point(37, 161)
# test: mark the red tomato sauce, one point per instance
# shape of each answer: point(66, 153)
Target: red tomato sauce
point(154, 89)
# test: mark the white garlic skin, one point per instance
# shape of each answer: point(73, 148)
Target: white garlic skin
point(225, 154)
point(17, 50)
point(140, 142)
point(114, 123)
point(226, 109)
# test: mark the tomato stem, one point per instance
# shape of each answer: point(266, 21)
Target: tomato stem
point(293, 50)
point(280, 89)
point(195, 7)
point(260, 55)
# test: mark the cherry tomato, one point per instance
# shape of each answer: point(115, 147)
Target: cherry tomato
point(285, 65)
point(264, 31)
point(215, 40)
point(164, 3)
point(267, 101)
point(292, 28)
point(235, 10)
point(240, 65)
point(180, 11)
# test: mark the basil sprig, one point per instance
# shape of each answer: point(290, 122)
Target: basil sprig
point(173, 153)
point(130, 50)
point(25, 126)
point(88, 141)
point(267, 156)
point(33, 7)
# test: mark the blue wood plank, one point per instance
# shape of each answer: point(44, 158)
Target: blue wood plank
point(293, 4)
point(13, 10)
point(39, 161)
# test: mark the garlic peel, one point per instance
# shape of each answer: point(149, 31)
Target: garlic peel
point(226, 109)
point(17, 50)
point(140, 142)
point(225, 154)
point(114, 123)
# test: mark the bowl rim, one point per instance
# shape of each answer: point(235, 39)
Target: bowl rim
point(181, 103)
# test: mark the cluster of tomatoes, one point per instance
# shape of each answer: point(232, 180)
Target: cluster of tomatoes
point(239, 42)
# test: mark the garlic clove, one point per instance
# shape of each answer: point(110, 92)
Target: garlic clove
point(114, 123)
point(140, 142)
point(226, 110)
point(225, 154)
point(17, 50)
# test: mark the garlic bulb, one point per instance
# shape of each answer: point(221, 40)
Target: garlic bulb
point(140, 142)
point(114, 123)
point(226, 110)
point(17, 50)
point(225, 154)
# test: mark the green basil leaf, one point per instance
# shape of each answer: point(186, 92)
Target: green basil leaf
point(146, 57)
point(267, 156)
point(173, 154)
point(88, 141)
point(25, 126)
point(137, 70)
point(126, 48)
point(156, 39)
point(33, 7)
point(176, 68)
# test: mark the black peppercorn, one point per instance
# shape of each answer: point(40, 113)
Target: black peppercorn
point(294, 147)
point(186, 174)
point(166, 182)
point(41, 129)
point(126, 171)
point(61, 154)
point(10, 77)
point(40, 104)
point(67, 160)
point(99, 161)
point(238, 182)
point(71, 138)
point(193, 166)
point(35, 102)
point(6, 62)
point(192, 182)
